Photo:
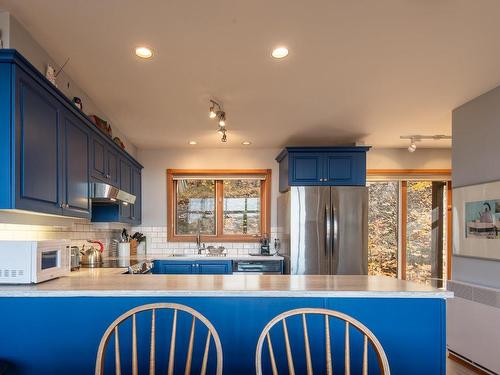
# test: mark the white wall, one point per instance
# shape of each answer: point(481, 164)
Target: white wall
point(473, 326)
point(14, 35)
point(156, 162)
point(397, 158)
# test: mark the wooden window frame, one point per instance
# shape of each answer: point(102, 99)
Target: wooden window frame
point(413, 174)
point(265, 195)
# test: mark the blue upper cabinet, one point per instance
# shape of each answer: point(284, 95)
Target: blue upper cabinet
point(306, 169)
point(136, 210)
point(76, 186)
point(322, 166)
point(38, 147)
point(104, 162)
point(125, 185)
point(50, 152)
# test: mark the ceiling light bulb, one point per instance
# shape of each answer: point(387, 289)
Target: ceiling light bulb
point(193, 142)
point(144, 52)
point(246, 143)
point(212, 113)
point(280, 52)
point(412, 147)
point(222, 122)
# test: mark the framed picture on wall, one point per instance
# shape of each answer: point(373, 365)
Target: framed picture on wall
point(476, 221)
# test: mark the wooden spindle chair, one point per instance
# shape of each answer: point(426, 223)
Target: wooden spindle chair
point(368, 336)
point(114, 329)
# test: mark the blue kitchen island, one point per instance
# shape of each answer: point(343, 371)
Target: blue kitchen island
point(55, 327)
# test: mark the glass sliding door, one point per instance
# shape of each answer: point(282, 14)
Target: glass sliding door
point(408, 229)
point(383, 218)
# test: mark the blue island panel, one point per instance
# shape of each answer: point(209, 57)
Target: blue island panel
point(61, 335)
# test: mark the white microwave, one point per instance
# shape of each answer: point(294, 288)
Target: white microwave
point(26, 262)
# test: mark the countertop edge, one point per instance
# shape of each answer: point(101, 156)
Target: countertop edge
point(236, 293)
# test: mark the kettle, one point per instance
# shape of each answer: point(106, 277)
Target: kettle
point(91, 257)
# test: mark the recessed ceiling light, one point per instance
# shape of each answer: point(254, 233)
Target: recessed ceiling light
point(246, 143)
point(280, 52)
point(144, 52)
point(193, 142)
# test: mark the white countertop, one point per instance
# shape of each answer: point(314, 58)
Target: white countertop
point(111, 282)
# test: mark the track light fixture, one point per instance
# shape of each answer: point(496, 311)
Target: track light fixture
point(216, 112)
point(418, 137)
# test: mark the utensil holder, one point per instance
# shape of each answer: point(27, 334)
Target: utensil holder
point(124, 249)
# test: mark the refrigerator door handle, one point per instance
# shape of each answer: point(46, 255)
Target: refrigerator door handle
point(334, 235)
point(328, 230)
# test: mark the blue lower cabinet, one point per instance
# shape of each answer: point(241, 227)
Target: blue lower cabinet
point(173, 268)
point(181, 267)
point(215, 267)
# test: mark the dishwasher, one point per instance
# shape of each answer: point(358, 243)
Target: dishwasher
point(258, 267)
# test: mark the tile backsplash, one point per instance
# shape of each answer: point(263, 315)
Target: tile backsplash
point(157, 243)
point(78, 233)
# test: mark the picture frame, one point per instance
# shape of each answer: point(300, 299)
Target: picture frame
point(476, 221)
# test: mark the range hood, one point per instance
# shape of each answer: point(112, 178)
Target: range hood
point(104, 193)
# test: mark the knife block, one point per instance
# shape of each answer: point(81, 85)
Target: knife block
point(133, 247)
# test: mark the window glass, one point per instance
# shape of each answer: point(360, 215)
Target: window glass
point(195, 207)
point(242, 207)
point(383, 212)
point(419, 231)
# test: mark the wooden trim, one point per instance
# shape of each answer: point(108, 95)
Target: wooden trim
point(449, 234)
point(467, 365)
point(234, 172)
point(219, 198)
point(404, 223)
point(219, 195)
point(408, 172)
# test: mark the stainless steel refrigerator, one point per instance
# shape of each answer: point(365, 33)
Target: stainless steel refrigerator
point(324, 230)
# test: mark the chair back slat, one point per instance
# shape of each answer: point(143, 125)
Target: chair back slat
point(205, 355)
point(347, 351)
point(134, 346)
point(368, 337)
point(271, 354)
point(113, 329)
point(189, 357)
point(306, 346)
point(329, 364)
point(171, 356)
point(289, 357)
point(365, 355)
point(118, 367)
point(152, 346)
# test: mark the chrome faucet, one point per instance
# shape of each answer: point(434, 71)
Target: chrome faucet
point(198, 239)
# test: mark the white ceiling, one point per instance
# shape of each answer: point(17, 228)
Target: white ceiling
point(359, 70)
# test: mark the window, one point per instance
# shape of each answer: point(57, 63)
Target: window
point(383, 219)
point(220, 205)
point(409, 225)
